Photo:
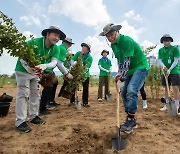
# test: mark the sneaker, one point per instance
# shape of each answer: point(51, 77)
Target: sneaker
point(44, 112)
point(164, 108)
point(128, 126)
point(144, 104)
point(100, 99)
point(86, 105)
point(24, 128)
point(37, 120)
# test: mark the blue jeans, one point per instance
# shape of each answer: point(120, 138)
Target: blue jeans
point(130, 90)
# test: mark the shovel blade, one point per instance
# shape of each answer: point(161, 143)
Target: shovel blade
point(118, 143)
point(78, 104)
point(172, 109)
point(109, 97)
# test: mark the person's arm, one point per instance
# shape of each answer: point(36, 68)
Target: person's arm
point(161, 63)
point(50, 65)
point(26, 66)
point(103, 69)
point(174, 63)
point(61, 67)
point(123, 68)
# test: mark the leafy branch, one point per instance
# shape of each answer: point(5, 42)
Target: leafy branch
point(14, 42)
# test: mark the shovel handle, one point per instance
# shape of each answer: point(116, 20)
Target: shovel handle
point(117, 110)
point(167, 84)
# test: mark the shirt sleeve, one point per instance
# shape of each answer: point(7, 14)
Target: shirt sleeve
point(176, 52)
point(128, 48)
point(89, 62)
point(55, 52)
point(75, 57)
point(159, 55)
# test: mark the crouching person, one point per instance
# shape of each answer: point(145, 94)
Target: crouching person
point(133, 69)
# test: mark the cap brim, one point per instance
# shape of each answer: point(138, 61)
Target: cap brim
point(114, 28)
point(106, 52)
point(68, 42)
point(166, 39)
point(62, 35)
point(84, 44)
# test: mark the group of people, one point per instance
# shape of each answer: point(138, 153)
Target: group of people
point(132, 71)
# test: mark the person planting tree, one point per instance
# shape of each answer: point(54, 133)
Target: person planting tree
point(27, 79)
point(132, 70)
point(86, 59)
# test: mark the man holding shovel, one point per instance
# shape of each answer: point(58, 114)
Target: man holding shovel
point(133, 69)
point(105, 70)
point(168, 58)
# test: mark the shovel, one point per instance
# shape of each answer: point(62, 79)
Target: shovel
point(172, 109)
point(77, 103)
point(109, 96)
point(118, 143)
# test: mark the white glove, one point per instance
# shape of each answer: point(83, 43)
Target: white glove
point(41, 67)
point(108, 71)
point(119, 86)
point(69, 76)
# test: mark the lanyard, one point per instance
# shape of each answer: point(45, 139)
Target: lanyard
point(44, 50)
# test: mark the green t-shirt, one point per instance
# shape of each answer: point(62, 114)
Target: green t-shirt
point(127, 47)
point(167, 55)
point(86, 60)
point(46, 54)
point(106, 64)
point(63, 52)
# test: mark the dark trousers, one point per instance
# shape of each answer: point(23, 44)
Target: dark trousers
point(143, 93)
point(103, 81)
point(62, 89)
point(85, 93)
point(48, 95)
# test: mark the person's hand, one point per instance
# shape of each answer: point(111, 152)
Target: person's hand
point(117, 77)
point(119, 86)
point(168, 72)
point(165, 68)
point(69, 76)
point(108, 71)
point(41, 67)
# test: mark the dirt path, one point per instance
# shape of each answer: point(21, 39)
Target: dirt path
point(90, 130)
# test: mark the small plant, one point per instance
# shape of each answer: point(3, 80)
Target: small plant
point(154, 80)
point(3, 79)
point(78, 71)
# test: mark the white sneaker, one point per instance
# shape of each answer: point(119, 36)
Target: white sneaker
point(144, 104)
point(99, 99)
point(163, 108)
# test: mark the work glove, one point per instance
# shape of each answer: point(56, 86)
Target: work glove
point(117, 77)
point(41, 67)
point(119, 86)
point(69, 76)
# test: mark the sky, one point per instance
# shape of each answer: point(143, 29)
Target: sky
point(82, 20)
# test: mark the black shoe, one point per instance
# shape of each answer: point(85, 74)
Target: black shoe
point(24, 128)
point(86, 105)
point(37, 120)
point(52, 104)
point(71, 104)
point(128, 126)
point(44, 112)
